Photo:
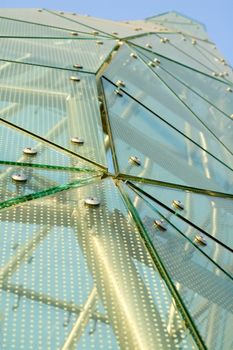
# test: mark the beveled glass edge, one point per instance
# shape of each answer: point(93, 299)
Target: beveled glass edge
point(49, 191)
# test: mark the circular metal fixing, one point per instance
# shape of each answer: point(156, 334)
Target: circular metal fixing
point(215, 74)
point(115, 33)
point(221, 74)
point(78, 66)
point(231, 116)
point(229, 89)
point(95, 32)
point(149, 46)
point(156, 60)
point(164, 40)
point(194, 42)
point(30, 151)
point(200, 240)
point(99, 42)
point(74, 78)
point(92, 202)
point(120, 83)
point(77, 140)
point(133, 55)
point(19, 177)
point(39, 10)
point(74, 33)
point(118, 92)
point(177, 204)
point(61, 13)
point(135, 160)
point(151, 64)
point(160, 224)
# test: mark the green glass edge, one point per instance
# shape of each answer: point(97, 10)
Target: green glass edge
point(51, 190)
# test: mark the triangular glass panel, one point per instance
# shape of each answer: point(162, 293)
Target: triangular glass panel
point(15, 28)
point(87, 55)
point(213, 119)
point(165, 100)
point(73, 261)
point(209, 244)
point(20, 147)
point(218, 93)
point(56, 105)
point(178, 21)
point(204, 288)
point(20, 183)
point(178, 48)
point(146, 147)
point(213, 215)
point(43, 17)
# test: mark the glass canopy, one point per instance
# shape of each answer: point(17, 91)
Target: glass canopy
point(115, 184)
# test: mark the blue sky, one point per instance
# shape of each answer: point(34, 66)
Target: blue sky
point(216, 15)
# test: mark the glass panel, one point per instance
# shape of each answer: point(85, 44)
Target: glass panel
point(212, 248)
point(164, 97)
point(114, 28)
point(48, 103)
point(215, 120)
point(178, 21)
point(214, 91)
point(178, 48)
point(42, 17)
point(163, 153)
point(213, 214)
point(12, 27)
point(73, 260)
point(62, 53)
point(20, 147)
point(17, 181)
point(205, 290)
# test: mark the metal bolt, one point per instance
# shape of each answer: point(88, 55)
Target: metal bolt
point(133, 55)
point(19, 177)
point(95, 32)
point(61, 13)
point(164, 40)
point(120, 83)
point(221, 74)
point(151, 64)
point(229, 89)
point(200, 240)
point(39, 10)
point(156, 60)
point(118, 92)
point(215, 74)
point(160, 225)
point(78, 66)
point(92, 202)
point(74, 78)
point(194, 42)
point(115, 33)
point(135, 160)
point(77, 140)
point(99, 42)
point(231, 116)
point(177, 204)
point(74, 33)
point(30, 151)
point(149, 46)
